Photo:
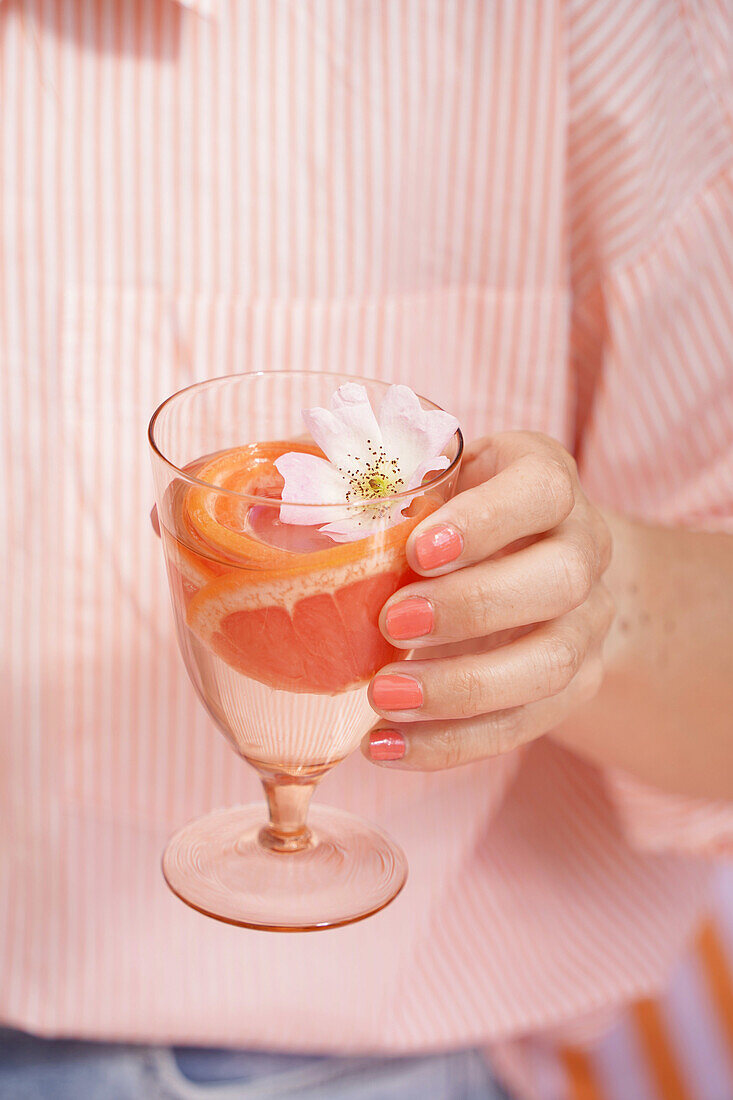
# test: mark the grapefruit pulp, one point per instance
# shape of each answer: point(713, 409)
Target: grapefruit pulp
point(304, 622)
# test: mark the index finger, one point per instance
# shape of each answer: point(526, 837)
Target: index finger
point(529, 497)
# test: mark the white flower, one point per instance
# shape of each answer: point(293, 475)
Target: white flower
point(369, 458)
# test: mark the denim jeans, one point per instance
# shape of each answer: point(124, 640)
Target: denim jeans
point(60, 1069)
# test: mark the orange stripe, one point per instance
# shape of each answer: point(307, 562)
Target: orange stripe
point(718, 977)
point(657, 1051)
point(583, 1084)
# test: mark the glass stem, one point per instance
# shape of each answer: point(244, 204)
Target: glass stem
point(288, 799)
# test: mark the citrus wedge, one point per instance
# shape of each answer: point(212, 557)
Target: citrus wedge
point(218, 519)
point(295, 621)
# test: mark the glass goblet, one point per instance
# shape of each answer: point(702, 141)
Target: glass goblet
point(278, 628)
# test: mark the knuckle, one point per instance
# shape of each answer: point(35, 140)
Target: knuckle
point(446, 748)
point(470, 689)
point(473, 608)
point(481, 738)
point(562, 660)
point(480, 511)
point(557, 484)
point(577, 572)
point(505, 731)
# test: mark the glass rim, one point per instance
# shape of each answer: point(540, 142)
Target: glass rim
point(404, 494)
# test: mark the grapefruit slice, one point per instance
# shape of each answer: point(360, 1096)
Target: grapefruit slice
point(325, 642)
point(189, 565)
point(218, 520)
point(295, 621)
point(304, 629)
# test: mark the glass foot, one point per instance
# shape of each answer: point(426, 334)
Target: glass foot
point(349, 870)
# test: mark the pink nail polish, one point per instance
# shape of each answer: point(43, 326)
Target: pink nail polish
point(411, 618)
point(386, 745)
point(394, 692)
point(438, 546)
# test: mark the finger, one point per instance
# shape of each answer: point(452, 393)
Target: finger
point(533, 495)
point(483, 458)
point(434, 746)
point(540, 663)
point(154, 519)
point(532, 585)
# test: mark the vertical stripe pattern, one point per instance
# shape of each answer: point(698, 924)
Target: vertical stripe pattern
point(524, 211)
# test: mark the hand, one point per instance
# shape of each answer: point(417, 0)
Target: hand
point(513, 565)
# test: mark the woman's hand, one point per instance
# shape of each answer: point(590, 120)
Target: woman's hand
point(513, 569)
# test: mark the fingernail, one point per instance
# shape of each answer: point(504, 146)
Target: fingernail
point(411, 618)
point(386, 745)
point(393, 692)
point(438, 546)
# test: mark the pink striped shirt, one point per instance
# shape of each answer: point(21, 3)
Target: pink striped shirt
point(523, 210)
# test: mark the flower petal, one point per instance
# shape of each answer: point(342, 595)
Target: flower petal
point(313, 481)
point(410, 433)
point(429, 466)
point(352, 406)
point(347, 530)
point(361, 525)
point(406, 442)
point(343, 431)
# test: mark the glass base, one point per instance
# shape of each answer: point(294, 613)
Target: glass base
point(349, 870)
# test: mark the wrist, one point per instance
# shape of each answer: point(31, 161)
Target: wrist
point(627, 580)
point(585, 731)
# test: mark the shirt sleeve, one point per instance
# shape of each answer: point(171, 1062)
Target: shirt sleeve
point(655, 433)
point(656, 821)
point(650, 201)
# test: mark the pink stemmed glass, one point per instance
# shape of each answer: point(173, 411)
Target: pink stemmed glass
point(278, 628)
